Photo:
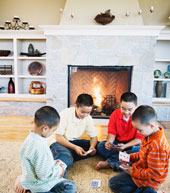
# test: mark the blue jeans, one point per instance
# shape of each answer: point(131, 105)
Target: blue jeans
point(65, 186)
point(68, 156)
point(112, 156)
point(123, 183)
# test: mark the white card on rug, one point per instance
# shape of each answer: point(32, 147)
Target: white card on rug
point(124, 156)
point(95, 183)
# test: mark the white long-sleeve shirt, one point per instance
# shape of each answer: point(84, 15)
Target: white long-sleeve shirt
point(40, 172)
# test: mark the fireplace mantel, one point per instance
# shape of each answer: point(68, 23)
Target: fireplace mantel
point(114, 30)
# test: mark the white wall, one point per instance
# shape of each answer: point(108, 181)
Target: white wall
point(36, 12)
point(160, 14)
point(85, 11)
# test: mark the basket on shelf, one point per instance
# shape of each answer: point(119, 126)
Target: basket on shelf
point(36, 90)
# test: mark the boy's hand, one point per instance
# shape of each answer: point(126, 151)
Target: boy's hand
point(129, 170)
point(108, 145)
point(63, 171)
point(93, 151)
point(80, 151)
point(121, 147)
point(18, 187)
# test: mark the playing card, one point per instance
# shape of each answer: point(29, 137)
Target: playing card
point(124, 156)
point(89, 151)
point(95, 183)
point(62, 164)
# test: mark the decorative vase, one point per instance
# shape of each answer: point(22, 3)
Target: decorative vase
point(31, 49)
point(158, 88)
point(11, 86)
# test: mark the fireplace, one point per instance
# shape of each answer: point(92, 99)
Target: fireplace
point(104, 83)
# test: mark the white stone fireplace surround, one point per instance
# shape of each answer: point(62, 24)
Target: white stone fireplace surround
point(100, 46)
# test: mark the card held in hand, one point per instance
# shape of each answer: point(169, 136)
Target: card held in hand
point(124, 156)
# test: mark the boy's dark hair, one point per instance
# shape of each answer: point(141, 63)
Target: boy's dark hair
point(46, 116)
point(84, 100)
point(129, 97)
point(144, 114)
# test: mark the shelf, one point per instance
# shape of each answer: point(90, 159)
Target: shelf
point(162, 79)
point(17, 42)
point(32, 58)
point(32, 77)
point(23, 97)
point(6, 58)
point(161, 101)
point(162, 60)
point(7, 76)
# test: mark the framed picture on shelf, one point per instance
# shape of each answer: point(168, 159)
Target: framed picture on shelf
point(168, 90)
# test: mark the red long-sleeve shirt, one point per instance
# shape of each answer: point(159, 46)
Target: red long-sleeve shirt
point(152, 161)
point(124, 131)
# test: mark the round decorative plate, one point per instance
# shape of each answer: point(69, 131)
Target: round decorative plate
point(157, 73)
point(35, 68)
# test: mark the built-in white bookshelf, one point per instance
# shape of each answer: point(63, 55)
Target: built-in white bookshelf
point(162, 60)
point(17, 42)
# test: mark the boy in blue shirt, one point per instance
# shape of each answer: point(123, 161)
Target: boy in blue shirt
point(40, 172)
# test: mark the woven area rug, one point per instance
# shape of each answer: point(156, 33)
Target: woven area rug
point(82, 172)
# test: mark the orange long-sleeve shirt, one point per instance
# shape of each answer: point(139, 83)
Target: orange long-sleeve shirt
point(151, 163)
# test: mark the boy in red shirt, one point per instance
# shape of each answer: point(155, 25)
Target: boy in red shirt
point(150, 165)
point(120, 133)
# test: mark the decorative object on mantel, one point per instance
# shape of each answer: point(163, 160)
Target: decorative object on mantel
point(31, 52)
point(36, 88)
point(152, 9)
point(61, 10)
point(4, 52)
point(35, 68)
point(16, 24)
point(167, 74)
point(5, 69)
point(72, 15)
point(104, 18)
point(157, 74)
point(127, 13)
point(140, 12)
point(158, 88)
point(11, 86)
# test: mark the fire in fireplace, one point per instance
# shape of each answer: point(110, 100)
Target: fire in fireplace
point(105, 83)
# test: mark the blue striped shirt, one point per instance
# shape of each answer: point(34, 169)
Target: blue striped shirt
point(40, 172)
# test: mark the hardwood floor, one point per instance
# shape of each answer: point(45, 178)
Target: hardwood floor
point(16, 128)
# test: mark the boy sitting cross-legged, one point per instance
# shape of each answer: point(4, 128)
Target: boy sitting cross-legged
point(65, 143)
point(121, 133)
point(150, 165)
point(40, 172)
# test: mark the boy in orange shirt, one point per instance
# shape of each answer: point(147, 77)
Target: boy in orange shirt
point(150, 165)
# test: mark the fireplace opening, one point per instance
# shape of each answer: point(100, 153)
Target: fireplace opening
point(104, 83)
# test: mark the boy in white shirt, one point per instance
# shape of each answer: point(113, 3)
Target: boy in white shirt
point(40, 172)
point(74, 121)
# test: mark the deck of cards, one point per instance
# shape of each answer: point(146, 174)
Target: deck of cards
point(114, 145)
point(123, 167)
point(124, 156)
point(95, 183)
